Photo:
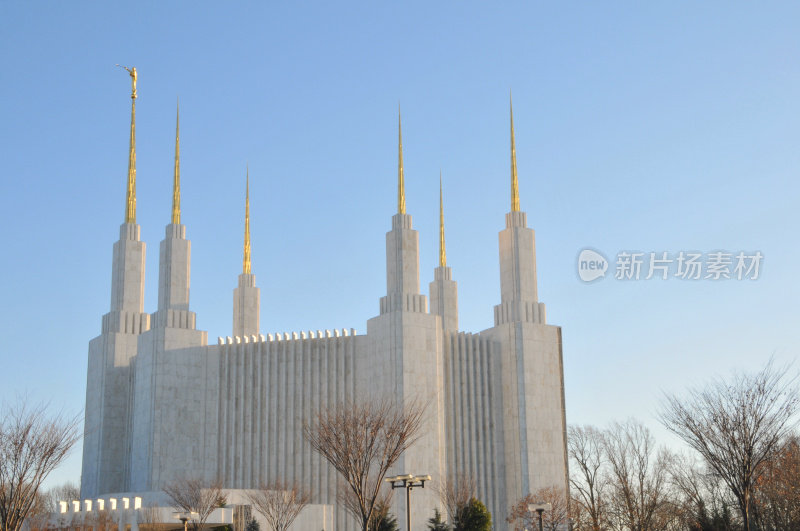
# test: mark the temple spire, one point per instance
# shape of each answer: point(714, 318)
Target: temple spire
point(442, 255)
point(401, 186)
point(130, 197)
point(176, 186)
point(514, 181)
point(246, 260)
point(246, 296)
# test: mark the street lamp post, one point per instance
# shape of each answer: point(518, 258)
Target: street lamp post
point(408, 482)
point(184, 517)
point(540, 508)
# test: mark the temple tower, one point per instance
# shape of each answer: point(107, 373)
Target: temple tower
point(175, 261)
point(443, 289)
point(404, 360)
point(157, 408)
point(246, 296)
point(534, 423)
point(108, 375)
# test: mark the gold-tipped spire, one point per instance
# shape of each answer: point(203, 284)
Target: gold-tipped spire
point(514, 181)
point(442, 255)
point(176, 185)
point(130, 196)
point(246, 259)
point(401, 186)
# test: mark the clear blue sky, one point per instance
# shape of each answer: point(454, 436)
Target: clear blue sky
point(657, 126)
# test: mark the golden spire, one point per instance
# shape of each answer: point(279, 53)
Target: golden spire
point(246, 260)
point(176, 186)
point(401, 186)
point(130, 197)
point(514, 181)
point(442, 256)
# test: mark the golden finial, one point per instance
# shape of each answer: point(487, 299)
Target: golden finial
point(442, 256)
point(246, 260)
point(130, 198)
point(176, 186)
point(514, 181)
point(401, 186)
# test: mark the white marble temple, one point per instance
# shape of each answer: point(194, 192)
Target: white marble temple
point(163, 404)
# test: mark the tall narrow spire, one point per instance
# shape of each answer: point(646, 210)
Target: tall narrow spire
point(176, 186)
point(442, 255)
point(246, 259)
point(130, 197)
point(514, 181)
point(401, 186)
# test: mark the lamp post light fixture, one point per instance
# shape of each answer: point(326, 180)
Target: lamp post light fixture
point(408, 482)
point(540, 508)
point(184, 517)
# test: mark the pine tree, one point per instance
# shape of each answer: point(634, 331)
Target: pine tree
point(474, 517)
point(387, 523)
point(435, 523)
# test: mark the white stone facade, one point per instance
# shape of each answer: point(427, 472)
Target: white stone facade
point(163, 404)
point(153, 510)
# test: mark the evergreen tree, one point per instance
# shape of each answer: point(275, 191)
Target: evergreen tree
point(474, 517)
point(387, 523)
point(382, 519)
point(435, 523)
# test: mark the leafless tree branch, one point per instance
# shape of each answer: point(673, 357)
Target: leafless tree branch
point(553, 520)
point(455, 493)
point(736, 426)
point(32, 444)
point(640, 490)
point(196, 497)
point(589, 482)
point(279, 503)
point(362, 441)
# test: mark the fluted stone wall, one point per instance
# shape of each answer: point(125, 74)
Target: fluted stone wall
point(474, 416)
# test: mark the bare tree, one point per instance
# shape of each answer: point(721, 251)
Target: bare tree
point(777, 493)
point(38, 518)
point(65, 492)
point(147, 518)
point(702, 502)
point(639, 485)
point(278, 503)
point(100, 521)
point(736, 426)
point(32, 444)
point(196, 497)
point(381, 516)
point(348, 500)
point(242, 515)
point(362, 441)
point(455, 493)
point(588, 480)
point(553, 520)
